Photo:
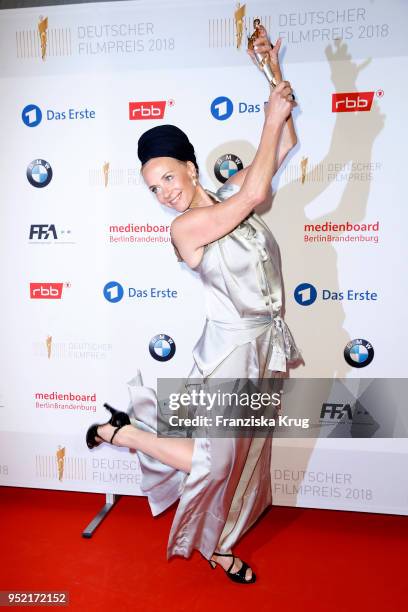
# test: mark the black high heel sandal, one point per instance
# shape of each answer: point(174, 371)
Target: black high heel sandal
point(118, 420)
point(238, 576)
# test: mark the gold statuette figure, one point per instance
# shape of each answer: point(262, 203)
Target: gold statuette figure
point(60, 462)
point(48, 343)
point(239, 23)
point(303, 168)
point(105, 169)
point(262, 60)
point(42, 31)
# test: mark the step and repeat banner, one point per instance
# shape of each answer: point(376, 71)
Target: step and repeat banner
point(91, 288)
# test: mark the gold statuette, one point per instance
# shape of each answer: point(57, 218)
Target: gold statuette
point(105, 169)
point(48, 343)
point(239, 23)
point(303, 168)
point(60, 454)
point(262, 59)
point(43, 33)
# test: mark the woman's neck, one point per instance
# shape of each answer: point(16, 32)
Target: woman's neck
point(201, 198)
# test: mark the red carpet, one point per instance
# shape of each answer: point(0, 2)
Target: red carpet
point(305, 560)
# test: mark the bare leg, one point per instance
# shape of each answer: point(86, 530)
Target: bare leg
point(176, 453)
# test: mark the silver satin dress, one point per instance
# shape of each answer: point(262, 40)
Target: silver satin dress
point(244, 336)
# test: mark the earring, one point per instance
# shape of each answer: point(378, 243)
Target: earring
point(194, 181)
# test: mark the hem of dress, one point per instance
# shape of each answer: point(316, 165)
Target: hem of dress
point(175, 545)
point(185, 548)
point(157, 508)
point(207, 552)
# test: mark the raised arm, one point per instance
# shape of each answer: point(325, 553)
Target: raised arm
point(191, 231)
point(288, 139)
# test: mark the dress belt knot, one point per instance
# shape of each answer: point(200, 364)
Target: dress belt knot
point(283, 344)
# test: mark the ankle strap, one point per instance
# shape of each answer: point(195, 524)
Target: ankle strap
point(114, 434)
point(222, 554)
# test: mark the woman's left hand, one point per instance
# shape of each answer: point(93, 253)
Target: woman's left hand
point(263, 45)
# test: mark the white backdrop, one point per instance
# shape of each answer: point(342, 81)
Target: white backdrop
point(100, 57)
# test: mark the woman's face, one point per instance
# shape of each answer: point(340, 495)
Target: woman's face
point(171, 181)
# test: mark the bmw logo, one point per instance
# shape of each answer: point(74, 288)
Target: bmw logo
point(305, 294)
point(226, 166)
point(222, 108)
point(162, 347)
point(31, 115)
point(39, 173)
point(113, 292)
point(359, 353)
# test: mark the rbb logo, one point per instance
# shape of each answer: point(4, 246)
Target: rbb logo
point(147, 110)
point(336, 411)
point(46, 291)
point(43, 231)
point(351, 102)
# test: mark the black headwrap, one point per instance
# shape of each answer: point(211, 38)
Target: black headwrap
point(165, 141)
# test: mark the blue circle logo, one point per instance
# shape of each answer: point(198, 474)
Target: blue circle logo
point(113, 292)
point(222, 108)
point(359, 353)
point(226, 166)
point(39, 173)
point(31, 115)
point(162, 347)
point(305, 294)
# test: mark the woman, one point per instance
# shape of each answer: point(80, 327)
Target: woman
point(223, 483)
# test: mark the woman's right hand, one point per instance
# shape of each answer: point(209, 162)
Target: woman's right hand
point(280, 104)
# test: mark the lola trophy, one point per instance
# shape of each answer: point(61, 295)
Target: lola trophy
point(262, 60)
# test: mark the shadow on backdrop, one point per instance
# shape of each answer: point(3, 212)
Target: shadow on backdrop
point(321, 336)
